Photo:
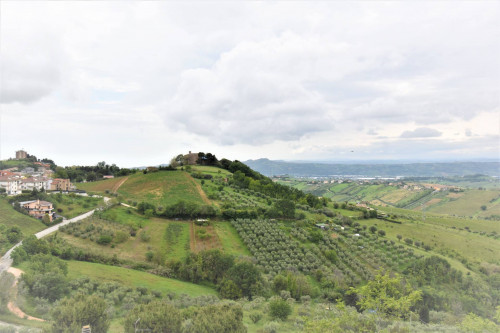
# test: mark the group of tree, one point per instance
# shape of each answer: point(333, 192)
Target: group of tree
point(181, 209)
point(91, 173)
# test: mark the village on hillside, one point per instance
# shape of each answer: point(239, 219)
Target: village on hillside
point(14, 181)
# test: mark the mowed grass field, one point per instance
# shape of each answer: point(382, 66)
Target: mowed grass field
point(163, 188)
point(100, 186)
point(133, 278)
point(230, 240)
point(469, 204)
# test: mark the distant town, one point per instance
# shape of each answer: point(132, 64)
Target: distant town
point(40, 177)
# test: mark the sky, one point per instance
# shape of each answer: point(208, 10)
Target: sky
point(137, 83)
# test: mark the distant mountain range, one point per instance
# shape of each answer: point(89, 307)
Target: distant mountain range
point(428, 169)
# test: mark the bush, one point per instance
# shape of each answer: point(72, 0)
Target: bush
point(279, 309)
point(145, 237)
point(104, 239)
point(255, 317)
point(121, 237)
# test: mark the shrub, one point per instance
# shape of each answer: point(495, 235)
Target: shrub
point(255, 317)
point(279, 309)
point(145, 237)
point(104, 239)
point(121, 237)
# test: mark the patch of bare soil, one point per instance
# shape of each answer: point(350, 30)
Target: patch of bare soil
point(12, 305)
point(117, 185)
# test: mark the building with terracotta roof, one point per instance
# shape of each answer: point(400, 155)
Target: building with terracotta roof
point(38, 208)
point(59, 184)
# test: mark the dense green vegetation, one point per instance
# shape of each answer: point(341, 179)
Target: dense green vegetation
point(273, 259)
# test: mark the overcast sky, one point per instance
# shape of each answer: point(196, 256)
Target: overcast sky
point(135, 83)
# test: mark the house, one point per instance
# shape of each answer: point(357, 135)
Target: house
point(323, 226)
point(38, 208)
point(108, 177)
point(28, 171)
point(38, 183)
point(11, 184)
point(59, 184)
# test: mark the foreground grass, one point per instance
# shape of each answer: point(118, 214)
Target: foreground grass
point(133, 278)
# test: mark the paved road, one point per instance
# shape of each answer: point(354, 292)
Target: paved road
point(6, 260)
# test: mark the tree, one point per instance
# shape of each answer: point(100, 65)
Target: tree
point(279, 308)
point(483, 207)
point(247, 277)
point(73, 313)
point(399, 237)
point(156, 316)
point(389, 296)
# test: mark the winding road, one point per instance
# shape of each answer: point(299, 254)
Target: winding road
point(6, 261)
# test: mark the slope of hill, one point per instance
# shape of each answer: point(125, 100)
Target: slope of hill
point(265, 239)
point(9, 218)
point(271, 168)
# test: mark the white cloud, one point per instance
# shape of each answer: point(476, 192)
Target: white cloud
point(421, 132)
point(282, 78)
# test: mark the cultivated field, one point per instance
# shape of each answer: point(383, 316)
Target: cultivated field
point(162, 188)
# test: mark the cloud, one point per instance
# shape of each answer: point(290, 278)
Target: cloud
point(251, 95)
point(421, 132)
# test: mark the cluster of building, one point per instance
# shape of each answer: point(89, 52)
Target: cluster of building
point(28, 179)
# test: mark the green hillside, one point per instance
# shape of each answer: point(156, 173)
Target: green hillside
point(12, 218)
point(162, 188)
point(133, 278)
point(262, 241)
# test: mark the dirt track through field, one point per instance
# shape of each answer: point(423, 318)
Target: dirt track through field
point(202, 193)
point(192, 238)
point(117, 185)
point(12, 305)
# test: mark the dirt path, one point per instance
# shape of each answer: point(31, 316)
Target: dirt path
point(117, 185)
point(192, 238)
point(12, 305)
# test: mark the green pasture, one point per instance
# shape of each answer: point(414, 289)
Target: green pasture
point(133, 278)
point(162, 188)
point(73, 205)
point(469, 204)
point(100, 186)
point(474, 247)
point(231, 241)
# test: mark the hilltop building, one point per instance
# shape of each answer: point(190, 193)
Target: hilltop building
point(21, 154)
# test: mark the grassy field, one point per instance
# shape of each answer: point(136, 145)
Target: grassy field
point(100, 186)
point(231, 241)
point(469, 204)
point(153, 236)
point(126, 216)
point(70, 206)
point(10, 218)
point(133, 278)
point(162, 188)
point(443, 239)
